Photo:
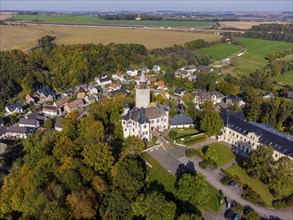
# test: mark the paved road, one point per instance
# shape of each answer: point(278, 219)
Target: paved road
point(173, 164)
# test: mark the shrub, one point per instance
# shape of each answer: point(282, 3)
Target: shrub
point(252, 215)
point(283, 203)
point(172, 135)
point(237, 208)
point(226, 180)
point(207, 163)
point(252, 196)
point(190, 152)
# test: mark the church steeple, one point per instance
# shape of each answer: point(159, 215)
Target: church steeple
point(142, 81)
point(142, 93)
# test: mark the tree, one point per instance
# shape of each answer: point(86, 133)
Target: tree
point(252, 215)
point(48, 124)
point(133, 146)
point(193, 189)
point(211, 153)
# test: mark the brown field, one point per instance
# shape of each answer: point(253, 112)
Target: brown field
point(24, 38)
point(243, 24)
point(5, 15)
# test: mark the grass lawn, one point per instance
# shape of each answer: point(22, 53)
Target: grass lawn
point(221, 51)
point(181, 132)
point(254, 58)
point(286, 78)
point(95, 20)
point(191, 139)
point(158, 173)
point(224, 153)
point(255, 184)
point(24, 38)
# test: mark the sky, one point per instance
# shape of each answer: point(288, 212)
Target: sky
point(148, 5)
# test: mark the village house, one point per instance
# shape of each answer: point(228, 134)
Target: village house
point(114, 87)
point(90, 99)
point(30, 123)
point(58, 125)
point(14, 109)
point(29, 99)
point(156, 68)
point(132, 72)
point(50, 111)
point(246, 136)
point(179, 92)
point(37, 116)
point(181, 120)
point(145, 70)
point(190, 69)
point(160, 84)
point(182, 74)
point(75, 105)
point(80, 91)
point(119, 76)
point(205, 69)
point(161, 92)
point(233, 100)
point(61, 102)
point(103, 81)
point(18, 132)
point(268, 96)
point(2, 132)
point(201, 96)
point(46, 95)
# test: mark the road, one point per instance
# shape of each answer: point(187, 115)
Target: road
point(173, 163)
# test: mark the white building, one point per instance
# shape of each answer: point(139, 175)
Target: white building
point(190, 69)
point(30, 123)
point(132, 72)
point(103, 81)
point(201, 96)
point(13, 108)
point(143, 117)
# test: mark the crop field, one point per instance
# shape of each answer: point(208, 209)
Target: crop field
point(243, 24)
point(24, 38)
point(254, 57)
point(95, 20)
point(221, 51)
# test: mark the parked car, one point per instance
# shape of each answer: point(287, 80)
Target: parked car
point(236, 217)
point(232, 183)
point(228, 214)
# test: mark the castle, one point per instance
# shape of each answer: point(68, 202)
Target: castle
point(140, 120)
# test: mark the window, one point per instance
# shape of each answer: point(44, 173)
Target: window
point(161, 119)
point(153, 121)
point(144, 126)
point(158, 120)
point(124, 122)
point(146, 133)
point(165, 120)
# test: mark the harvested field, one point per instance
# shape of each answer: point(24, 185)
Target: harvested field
point(5, 15)
point(24, 38)
point(243, 24)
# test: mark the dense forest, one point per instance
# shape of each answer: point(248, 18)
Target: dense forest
point(278, 32)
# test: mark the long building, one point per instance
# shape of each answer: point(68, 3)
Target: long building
point(246, 136)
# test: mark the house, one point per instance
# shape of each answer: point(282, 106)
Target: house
point(156, 68)
point(13, 108)
point(205, 69)
point(2, 132)
point(37, 116)
point(68, 93)
point(18, 132)
point(289, 95)
point(226, 61)
point(74, 105)
point(92, 90)
point(245, 136)
point(61, 102)
point(114, 87)
point(201, 96)
point(50, 111)
point(233, 100)
point(269, 96)
point(182, 74)
point(58, 126)
point(190, 69)
point(30, 123)
point(162, 93)
point(119, 76)
point(145, 70)
point(46, 95)
point(29, 99)
point(3, 147)
point(1, 122)
point(90, 99)
point(80, 91)
point(181, 120)
point(132, 72)
point(179, 92)
point(160, 84)
point(103, 81)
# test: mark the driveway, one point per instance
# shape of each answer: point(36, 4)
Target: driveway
point(174, 165)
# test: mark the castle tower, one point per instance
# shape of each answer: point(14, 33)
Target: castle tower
point(142, 97)
point(126, 108)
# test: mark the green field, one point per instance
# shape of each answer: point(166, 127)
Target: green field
point(254, 58)
point(224, 153)
point(24, 38)
point(255, 184)
point(286, 78)
point(221, 51)
point(95, 20)
point(158, 173)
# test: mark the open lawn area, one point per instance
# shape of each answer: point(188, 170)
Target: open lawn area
point(158, 173)
point(223, 153)
point(221, 51)
point(24, 38)
point(254, 58)
point(70, 19)
point(255, 184)
point(286, 78)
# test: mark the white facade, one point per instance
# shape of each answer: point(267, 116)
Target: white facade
point(132, 128)
point(142, 97)
point(132, 72)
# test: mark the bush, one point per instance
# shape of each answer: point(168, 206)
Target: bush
point(252, 215)
point(226, 180)
point(250, 195)
point(237, 208)
point(190, 152)
point(283, 203)
point(207, 163)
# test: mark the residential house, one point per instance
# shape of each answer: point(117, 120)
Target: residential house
point(1, 122)
point(201, 96)
point(190, 69)
point(30, 123)
point(74, 105)
point(50, 111)
point(14, 108)
point(226, 61)
point(90, 99)
point(269, 96)
point(29, 99)
point(46, 95)
point(37, 116)
point(61, 102)
point(161, 84)
point(246, 136)
point(145, 70)
point(114, 87)
point(103, 81)
point(181, 120)
point(2, 132)
point(80, 91)
point(156, 68)
point(18, 132)
point(161, 92)
point(92, 90)
point(119, 76)
point(3, 147)
point(182, 74)
point(205, 69)
point(132, 72)
point(233, 100)
point(58, 125)
point(179, 92)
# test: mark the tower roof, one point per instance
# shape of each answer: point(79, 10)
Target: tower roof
point(143, 79)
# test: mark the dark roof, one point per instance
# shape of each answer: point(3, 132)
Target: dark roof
point(49, 107)
point(2, 130)
point(206, 95)
point(179, 91)
point(58, 122)
point(23, 130)
point(181, 119)
point(105, 79)
point(36, 115)
point(46, 92)
point(26, 121)
point(232, 98)
point(205, 69)
point(1, 121)
point(14, 106)
point(189, 67)
point(267, 136)
point(137, 115)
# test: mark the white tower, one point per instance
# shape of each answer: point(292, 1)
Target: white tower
point(142, 93)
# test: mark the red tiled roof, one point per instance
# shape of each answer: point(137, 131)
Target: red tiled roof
point(74, 103)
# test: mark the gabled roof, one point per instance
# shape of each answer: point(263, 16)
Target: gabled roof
point(105, 79)
point(61, 101)
point(14, 106)
point(36, 115)
point(206, 95)
point(75, 103)
point(26, 121)
point(189, 67)
point(137, 115)
point(58, 122)
point(179, 91)
point(19, 130)
point(50, 108)
point(181, 119)
point(2, 130)
point(205, 69)
point(46, 92)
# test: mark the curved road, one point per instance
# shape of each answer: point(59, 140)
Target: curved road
point(171, 162)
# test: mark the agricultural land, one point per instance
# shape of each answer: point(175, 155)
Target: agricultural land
point(243, 24)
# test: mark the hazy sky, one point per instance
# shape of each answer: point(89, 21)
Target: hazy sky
point(147, 5)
